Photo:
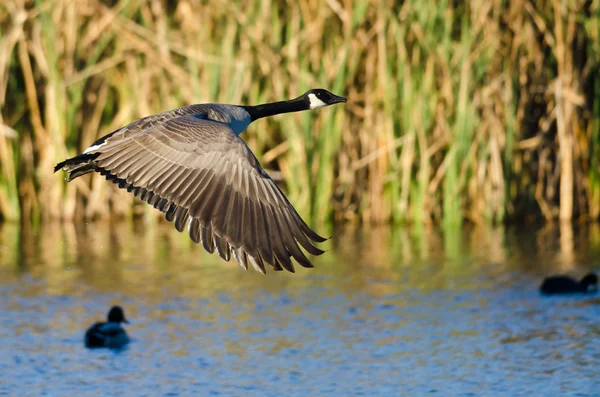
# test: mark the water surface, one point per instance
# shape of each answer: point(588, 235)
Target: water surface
point(386, 312)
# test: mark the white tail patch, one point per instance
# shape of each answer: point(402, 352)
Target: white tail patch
point(315, 102)
point(92, 148)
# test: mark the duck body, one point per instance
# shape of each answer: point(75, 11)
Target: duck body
point(556, 285)
point(191, 164)
point(106, 334)
point(109, 334)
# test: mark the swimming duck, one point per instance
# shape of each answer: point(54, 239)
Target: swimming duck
point(567, 285)
point(110, 333)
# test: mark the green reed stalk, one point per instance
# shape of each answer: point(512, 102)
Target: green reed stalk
point(451, 111)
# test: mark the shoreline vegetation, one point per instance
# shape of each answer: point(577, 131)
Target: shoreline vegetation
point(485, 112)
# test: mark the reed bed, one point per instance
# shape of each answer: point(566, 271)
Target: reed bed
point(478, 111)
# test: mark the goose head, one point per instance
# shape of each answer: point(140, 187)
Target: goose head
point(318, 98)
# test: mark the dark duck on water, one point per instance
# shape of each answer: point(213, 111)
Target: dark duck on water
point(110, 333)
point(566, 285)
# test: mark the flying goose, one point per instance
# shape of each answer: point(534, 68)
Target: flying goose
point(110, 333)
point(191, 164)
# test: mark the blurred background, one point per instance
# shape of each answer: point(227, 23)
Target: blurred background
point(458, 111)
point(464, 168)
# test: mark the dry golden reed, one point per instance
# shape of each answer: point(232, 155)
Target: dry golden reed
point(484, 111)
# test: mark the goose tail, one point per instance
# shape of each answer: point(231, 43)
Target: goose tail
point(78, 165)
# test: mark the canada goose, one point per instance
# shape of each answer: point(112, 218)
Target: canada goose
point(110, 333)
point(191, 164)
point(567, 285)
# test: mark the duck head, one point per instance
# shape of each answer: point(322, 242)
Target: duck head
point(116, 315)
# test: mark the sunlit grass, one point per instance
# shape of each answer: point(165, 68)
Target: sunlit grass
point(457, 111)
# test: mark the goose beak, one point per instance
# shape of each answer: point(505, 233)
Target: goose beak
point(338, 99)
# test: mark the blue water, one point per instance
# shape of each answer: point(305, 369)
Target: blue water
point(387, 312)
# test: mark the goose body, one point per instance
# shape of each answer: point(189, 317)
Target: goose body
point(108, 334)
point(191, 164)
point(566, 285)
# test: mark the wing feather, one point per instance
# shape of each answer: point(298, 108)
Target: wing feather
point(207, 239)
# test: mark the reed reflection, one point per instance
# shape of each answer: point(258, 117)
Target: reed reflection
point(147, 258)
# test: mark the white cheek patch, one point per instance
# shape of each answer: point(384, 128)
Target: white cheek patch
point(315, 102)
point(92, 148)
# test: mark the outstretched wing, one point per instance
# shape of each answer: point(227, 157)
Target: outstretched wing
point(204, 177)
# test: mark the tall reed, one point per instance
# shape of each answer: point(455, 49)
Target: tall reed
point(479, 111)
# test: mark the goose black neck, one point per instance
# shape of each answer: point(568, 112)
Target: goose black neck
point(273, 108)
